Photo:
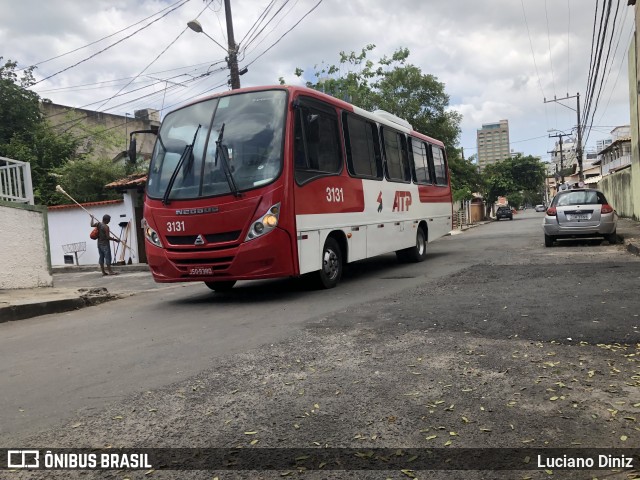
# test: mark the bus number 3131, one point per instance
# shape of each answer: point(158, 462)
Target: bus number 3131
point(335, 194)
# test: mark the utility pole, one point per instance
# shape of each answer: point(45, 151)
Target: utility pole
point(232, 59)
point(560, 135)
point(577, 110)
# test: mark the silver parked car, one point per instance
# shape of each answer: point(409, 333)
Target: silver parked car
point(580, 213)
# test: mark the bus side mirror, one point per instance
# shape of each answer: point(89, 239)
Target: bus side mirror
point(132, 150)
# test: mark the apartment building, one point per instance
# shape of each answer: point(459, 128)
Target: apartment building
point(493, 143)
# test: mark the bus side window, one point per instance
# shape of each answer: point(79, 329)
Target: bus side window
point(395, 149)
point(316, 144)
point(440, 167)
point(422, 175)
point(362, 146)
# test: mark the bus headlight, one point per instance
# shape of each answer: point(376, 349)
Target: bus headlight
point(265, 224)
point(151, 234)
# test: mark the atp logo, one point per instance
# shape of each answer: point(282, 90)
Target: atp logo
point(402, 201)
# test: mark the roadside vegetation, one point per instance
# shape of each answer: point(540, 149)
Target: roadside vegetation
point(57, 155)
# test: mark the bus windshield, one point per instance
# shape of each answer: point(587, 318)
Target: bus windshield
point(186, 147)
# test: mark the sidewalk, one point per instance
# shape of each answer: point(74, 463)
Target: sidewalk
point(76, 287)
point(82, 286)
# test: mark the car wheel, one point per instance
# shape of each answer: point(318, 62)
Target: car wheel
point(331, 269)
point(612, 238)
point(417, 253)
point(548, 240)
point(221, 286)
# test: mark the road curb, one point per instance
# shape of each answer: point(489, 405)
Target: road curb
point(29, 310)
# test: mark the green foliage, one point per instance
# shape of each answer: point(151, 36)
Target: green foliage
point(392, 85)
point(19, 106)
point(522, 176)
point(465, 179)
point(516, 199)
point(85, 179)
point(26, 136)
point(45, 150)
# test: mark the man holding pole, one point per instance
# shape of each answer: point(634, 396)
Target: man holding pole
point(104, 248)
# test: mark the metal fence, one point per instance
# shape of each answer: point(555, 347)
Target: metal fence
point(15, 181)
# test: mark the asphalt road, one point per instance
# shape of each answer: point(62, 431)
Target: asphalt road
point(494, 341)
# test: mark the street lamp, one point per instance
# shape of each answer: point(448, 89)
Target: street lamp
point(232, 50)
point(196, 27)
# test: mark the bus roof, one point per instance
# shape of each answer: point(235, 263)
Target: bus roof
point(379, 116)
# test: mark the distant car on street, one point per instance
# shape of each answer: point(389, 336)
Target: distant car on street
point(504, 212)
point(540, 208)
point(580, 213)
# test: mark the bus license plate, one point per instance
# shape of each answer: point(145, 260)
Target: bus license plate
point(201, 271)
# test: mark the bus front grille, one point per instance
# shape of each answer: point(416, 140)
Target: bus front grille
point(210, 238)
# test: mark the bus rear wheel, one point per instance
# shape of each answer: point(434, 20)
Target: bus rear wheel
point(415, 254)
point(224, 286)
point(331, 268)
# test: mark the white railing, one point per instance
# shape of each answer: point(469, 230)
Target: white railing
point(15, 181)
point(616, 163)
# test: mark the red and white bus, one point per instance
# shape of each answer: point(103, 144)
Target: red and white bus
point(283, 181)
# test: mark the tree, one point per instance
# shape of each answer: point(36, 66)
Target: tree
point(392, 85)
point(87, 178)
point(518, 175)
point(465, 179)
point(45, 150)
point(20, 107)
point(405, 91)
point(25, 135)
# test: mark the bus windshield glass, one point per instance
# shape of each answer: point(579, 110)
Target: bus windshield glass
point(253, 142)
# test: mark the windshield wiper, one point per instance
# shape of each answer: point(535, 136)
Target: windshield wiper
point(187, 153)
point(224, 154)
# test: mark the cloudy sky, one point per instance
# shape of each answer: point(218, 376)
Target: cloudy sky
point(498, 59)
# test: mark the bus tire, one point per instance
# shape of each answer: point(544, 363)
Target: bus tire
point(331, 269)
point(417, 253)
point(223, 286)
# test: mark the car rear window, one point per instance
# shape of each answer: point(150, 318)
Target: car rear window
point(580, 198)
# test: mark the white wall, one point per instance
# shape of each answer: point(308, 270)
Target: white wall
point(24, 261)
point(70, 224)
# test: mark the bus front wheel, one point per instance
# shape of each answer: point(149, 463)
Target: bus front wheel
point(221, 286)
point(331, 268)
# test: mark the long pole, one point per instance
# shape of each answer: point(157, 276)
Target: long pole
point(233, 48)
point(61, 190)
point(579, 149)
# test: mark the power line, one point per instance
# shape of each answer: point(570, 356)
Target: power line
point(524, 13)
point(553, 79)
point(100, 40)
point(593, 78)
point(568, 44)
point(606, 63)
point(285, 33)
point(623, 58)
point(113, 44)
